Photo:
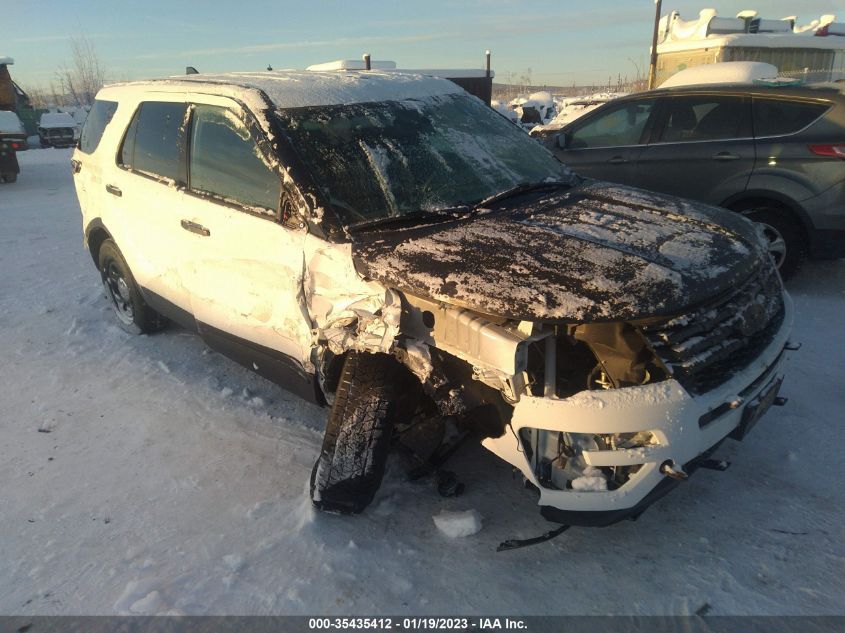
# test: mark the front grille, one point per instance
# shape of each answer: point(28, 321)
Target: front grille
point(707, 346)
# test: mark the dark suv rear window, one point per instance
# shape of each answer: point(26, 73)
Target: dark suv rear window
point(776, 117)
point(155, 141)
point(98, 118)
point(705, 118)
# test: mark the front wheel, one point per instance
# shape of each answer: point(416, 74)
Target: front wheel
point(784, 236)
point(133, 314)
point(374, 393)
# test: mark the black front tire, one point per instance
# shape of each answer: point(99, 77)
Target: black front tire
point(374, 392)
point(133, 314)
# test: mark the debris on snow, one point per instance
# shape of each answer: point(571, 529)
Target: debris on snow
point(458, 524)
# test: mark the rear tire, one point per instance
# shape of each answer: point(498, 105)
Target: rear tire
point(133, 314)
point(374, 392)
point(9, 177)
point(785, 235)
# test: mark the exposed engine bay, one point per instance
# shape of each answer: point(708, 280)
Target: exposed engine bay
point(481, 373)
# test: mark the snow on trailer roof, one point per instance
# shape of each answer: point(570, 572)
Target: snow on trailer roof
point(747, 30)
point(293, 89)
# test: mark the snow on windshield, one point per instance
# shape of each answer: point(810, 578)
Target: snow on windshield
point(391, 158)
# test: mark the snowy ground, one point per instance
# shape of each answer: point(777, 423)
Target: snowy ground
point(149, 475)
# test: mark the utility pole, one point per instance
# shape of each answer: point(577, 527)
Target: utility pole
point(652, 69)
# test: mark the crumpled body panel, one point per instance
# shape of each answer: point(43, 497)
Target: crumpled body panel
point(596, 252)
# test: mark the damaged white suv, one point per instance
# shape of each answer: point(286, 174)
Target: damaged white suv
point(389, 246)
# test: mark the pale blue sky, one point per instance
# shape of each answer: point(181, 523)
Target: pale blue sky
point(561, 41)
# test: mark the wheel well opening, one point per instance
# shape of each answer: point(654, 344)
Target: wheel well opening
point(96, 237)
point(746, 205)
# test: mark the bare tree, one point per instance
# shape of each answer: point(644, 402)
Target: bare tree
point(84, 77)
point(38, 97)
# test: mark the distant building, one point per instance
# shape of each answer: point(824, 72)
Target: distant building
point(478, 82)
point(8, 98)
point(13, 98)
point(816, 50)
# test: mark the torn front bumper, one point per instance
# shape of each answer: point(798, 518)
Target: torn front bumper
point(683, 427)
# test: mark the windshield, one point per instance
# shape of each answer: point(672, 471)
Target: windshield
point(392, 158)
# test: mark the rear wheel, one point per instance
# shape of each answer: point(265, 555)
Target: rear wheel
point(785, 236)
point(374, 392)
point(8, 177)
point(133, 314)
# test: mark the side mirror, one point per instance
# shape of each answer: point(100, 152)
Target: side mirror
point(563, 140)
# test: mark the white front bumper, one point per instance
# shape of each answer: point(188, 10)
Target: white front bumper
point(665, 408)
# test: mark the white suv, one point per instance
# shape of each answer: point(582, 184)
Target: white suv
point(389, 246)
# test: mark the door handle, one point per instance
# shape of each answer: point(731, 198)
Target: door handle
point(617, 160)
point(193, 227)
point(725, 156)
point(115, 191)
point(75, 166)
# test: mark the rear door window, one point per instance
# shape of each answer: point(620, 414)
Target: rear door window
point(227, 163)
point(619, 125)
point(98, 118)
point(155, 141)
point(705, 118)
point(777, 117)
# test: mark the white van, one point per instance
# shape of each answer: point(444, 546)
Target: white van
point(389, 246)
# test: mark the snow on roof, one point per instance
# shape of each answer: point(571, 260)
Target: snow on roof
point(722, 73)
point(56, 119)
point(747, 30)
point(292, 89)
point(353, 64)
point(450, 72)
point(9, 122)
point(357, 64)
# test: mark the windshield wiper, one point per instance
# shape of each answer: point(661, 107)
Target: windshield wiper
point(410, 218)
point(520, 189)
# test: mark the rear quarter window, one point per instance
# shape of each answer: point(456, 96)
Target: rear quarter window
point(777, 117)
point(98, 118)
point(154, 143)
point(705, 118)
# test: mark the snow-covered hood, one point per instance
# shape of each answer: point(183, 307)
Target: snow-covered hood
point(597, 252)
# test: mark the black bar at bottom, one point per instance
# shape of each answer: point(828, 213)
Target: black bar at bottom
point(530, 624)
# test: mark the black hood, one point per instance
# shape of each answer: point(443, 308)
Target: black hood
point(597, 252)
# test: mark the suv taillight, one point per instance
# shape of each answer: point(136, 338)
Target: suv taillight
point(16, 145)
point(832, 151)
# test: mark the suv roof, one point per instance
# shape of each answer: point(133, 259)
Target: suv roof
point(812, 91)
point(292, 89)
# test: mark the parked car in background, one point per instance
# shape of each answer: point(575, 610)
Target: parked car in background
point(12, 140)
point(389, 246)
point(772, 153)
point(57, 129)
point(573, 108)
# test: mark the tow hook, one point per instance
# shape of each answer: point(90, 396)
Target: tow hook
point(669, 469)
point(720, 465)
point(780, 401)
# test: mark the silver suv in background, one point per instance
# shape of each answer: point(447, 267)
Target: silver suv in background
point(772, 153)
